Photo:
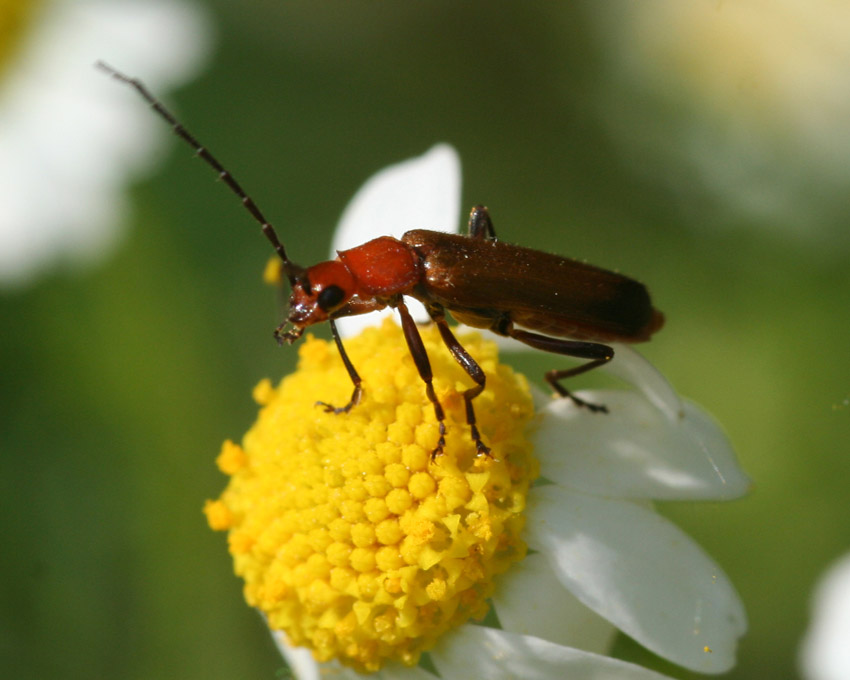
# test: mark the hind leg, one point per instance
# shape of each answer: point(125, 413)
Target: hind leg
point(597, 353)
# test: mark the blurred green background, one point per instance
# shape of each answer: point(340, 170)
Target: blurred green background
point(120, 383)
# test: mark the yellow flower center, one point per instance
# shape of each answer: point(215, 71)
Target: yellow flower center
point(349, 537)
point(15, 16)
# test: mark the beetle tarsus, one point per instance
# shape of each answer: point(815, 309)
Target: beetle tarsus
point(553, 377)
point(330, 408)
point(441, 442)
point(578, 401)
point(481, 448)
point(590, 406)
point(356, 395)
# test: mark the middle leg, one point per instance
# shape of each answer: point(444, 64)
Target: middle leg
point(472, 369)
point(423, 365)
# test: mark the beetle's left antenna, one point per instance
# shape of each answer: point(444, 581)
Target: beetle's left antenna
point(293, 271)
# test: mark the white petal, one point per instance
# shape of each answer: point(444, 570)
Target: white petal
point(398, 672)
point(825, 654)
point(530, 600)
point(634, 368)
point(420, 193)
point(335, 671)
point(300, 660)
point(392, 671)
point(70, 134)
point(635, 451)
point(642, 573)
point(478, 652)
point(350, 326)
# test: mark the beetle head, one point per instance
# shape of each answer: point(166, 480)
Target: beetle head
point(317, 292)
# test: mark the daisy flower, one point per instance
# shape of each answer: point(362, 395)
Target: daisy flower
point(824, 654)
point(365, 555)
point(65, 152)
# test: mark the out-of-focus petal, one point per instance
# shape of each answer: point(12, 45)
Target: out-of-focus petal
point(825, 654)
point(636, 451)
point(531, 601)
point(732, 98)
point(69, 134)
point(642, 573)
point(478, 652)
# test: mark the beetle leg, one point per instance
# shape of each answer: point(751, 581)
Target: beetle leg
point(423, 365)
point(352, 372)
point(552, 377)
point(357, 306)
point(480, 225)
point(472, 369)
point(597, 353)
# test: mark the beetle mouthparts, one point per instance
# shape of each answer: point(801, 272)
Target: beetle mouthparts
point(289, 336)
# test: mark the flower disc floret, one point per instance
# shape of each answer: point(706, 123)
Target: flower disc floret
point(349, 537)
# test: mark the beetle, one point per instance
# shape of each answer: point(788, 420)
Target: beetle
point(548, 302)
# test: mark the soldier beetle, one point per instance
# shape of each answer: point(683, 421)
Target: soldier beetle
point(548, 302)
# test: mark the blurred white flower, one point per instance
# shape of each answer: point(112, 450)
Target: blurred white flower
point(70, 140)
point(601, 558)
point(752, 96)
point(825, 653)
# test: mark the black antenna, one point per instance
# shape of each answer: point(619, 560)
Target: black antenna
point(293, 271)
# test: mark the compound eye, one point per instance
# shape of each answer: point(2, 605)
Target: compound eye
point(330, 297)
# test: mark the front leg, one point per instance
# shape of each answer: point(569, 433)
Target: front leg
point(357, 394)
